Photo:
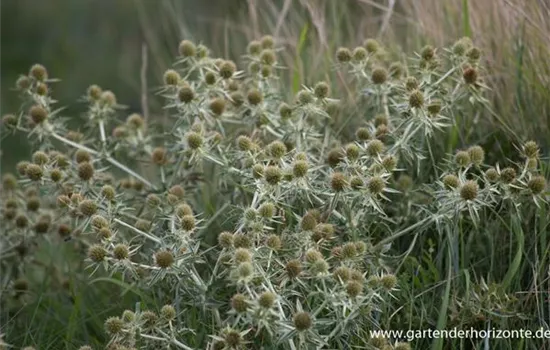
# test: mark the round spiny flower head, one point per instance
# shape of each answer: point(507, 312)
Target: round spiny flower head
point(9, 120)
point(164, 259)
point(402, 346)
point(389, 162)
point(64, 230)
point(349, 250)
point(459, 47)
point(39, 72)
point(356, 182)
point(319, 267)
point(492, 175)
point(99, 222)
point(87, 207)
point(241, 241)
point(267, 210)
point(135, 121)
point(293, 268)
point(381, 119)
point(56, 175)
point(245, 270)
point(171, 77)
point(42, 89)
point(342, 273)
point(352, 151)
point(23, 83)
point(158, 156)
point(376, 185)
point(470, 75)
point(468, 191)
point(277, 149)
point(250, 214)
point(34, 172)
point(97, 253)
point(232, 339)
point(108, 98)
point(508, 175)
point(242, 255)
point(21, 221)
point(244, 143)
point(94, 92)
point(531, 149)
point(338, 181)
point(186, 94)
point(254, 67)
point(411, 83)
point(183, 209)
point(302, 321)
point(254, 97)
point(309, 222)
point(362, 134)
point(258, 171)
point(202, 51)
point(323, 231)
point(153, 200)
point(343, 55)
point(227, 69)
point(537, 184)
point(188, 222)
point(85, 171)
point(359, 54)
point(477, 154)
point(450, 181)
point(416, 99)
point(239, 303)
point(194, 140)
point(474, 54)
point(354, 288)
point(381, 131)
point(313, 255)
point(322, 90)
point(397, 70)
point(462, 158)
point(128, 316)
point(434, 107)
point(217, 106)
point(285, 111)
point(335, 156)
point(267, 42)
point(121, 251)
point(304, 97)
point(273, 174)
point(63, 201)
point(274, 242)
point(236, 98)
point(379, 75)
point(266, 71)
point(82, 156)
point(388, 281)
point(225, 239)
point(268, 57)
point(168, 312)
point(371, 45)
point(254, 48)
point(38, 114)
point(375, 147)
point(43, 224)
point(187, 48)
point(427, 53)
point(114, 325)
point(9, 182)
point(149, 319)
point(119, 132)
point(300, 168)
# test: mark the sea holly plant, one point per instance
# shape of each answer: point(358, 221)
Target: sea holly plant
point(314, 226)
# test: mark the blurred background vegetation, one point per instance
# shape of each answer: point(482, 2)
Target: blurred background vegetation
point(84, 42)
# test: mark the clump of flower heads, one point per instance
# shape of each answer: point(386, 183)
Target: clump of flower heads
point(256, 211)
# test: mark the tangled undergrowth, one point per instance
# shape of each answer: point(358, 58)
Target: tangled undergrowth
point(315, 238)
